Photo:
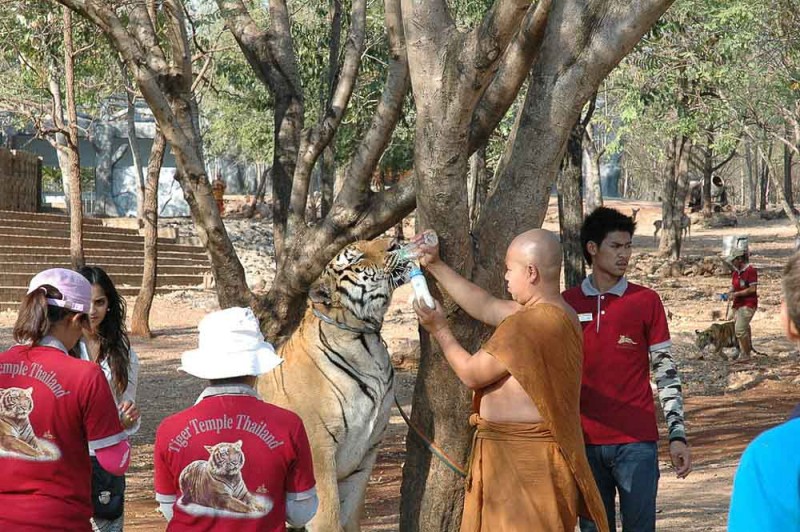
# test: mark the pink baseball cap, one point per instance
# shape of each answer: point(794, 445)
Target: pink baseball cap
point(76, 290)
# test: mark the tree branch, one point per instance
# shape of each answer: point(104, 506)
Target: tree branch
point(505, 85)
point(496, 29)
point(728, 158)
point(387, 113)
point(318, 137)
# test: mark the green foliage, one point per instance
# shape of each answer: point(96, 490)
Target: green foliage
point(700, 73)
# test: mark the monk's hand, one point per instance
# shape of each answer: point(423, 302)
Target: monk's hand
point(431, 319)
point(681, 458)
point(427, 247)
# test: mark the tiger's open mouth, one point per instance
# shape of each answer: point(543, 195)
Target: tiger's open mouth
point(397, 268)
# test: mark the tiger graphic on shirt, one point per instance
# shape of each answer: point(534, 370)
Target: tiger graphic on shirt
point(17, 438)
point(216, 487)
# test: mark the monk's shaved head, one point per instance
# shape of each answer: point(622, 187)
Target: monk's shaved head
point(539, 248)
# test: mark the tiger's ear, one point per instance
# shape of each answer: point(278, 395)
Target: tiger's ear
point(697, 332)
point(238, 444)
point(209, 448)
point(29, 390)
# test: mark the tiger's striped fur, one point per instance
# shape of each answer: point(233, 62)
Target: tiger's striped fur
point(17, 437)
point(720, 335)
point(217, 483)
point(338, 377)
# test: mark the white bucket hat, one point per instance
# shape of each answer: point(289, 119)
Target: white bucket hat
point(230, 345)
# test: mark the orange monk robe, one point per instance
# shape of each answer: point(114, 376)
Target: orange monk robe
point(527, 476)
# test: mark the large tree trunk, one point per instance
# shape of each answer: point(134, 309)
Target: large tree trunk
point(140, 318)
point(752, 177)
point(327, 177)
point(763, 176)
point(562, 79)
point(570, 209)
point(676, 184)
point(593, 187)
point(708, 172)
point(788, 155)
point(76, 207)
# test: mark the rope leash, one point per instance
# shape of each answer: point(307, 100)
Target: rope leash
point(432, 447)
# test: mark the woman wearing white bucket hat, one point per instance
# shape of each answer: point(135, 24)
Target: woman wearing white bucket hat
point(232, 461)
point(52, 407)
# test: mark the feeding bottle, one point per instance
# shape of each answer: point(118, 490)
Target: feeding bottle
point(411, 252)
point(420, 286)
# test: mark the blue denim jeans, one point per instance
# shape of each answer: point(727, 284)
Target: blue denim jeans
point(630, 469)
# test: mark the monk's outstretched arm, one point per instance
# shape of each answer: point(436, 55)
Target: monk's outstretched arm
point(475, 301)
point(475, 371)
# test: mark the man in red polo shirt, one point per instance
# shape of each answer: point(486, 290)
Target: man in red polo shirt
point(625, 336)
point(744, 296)
point(232, 462)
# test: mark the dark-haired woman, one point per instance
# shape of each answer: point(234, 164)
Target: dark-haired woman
point(52, 407)
point(106, 343)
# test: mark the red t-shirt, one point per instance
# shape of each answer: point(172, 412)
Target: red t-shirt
point(741, 280)
point(620, 329)
point(52, 406)
point(228, 462)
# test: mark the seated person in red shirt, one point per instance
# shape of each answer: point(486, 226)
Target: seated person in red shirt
point(232, 461)
point(52, 407)
point(744, 295)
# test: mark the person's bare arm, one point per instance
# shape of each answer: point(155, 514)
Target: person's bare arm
point(475, 301)
point(475, 371)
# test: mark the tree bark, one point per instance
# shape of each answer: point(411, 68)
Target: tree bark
point(565, 73)
point(676, 185)
point(593, 186)
point(788, 155)
point(140, 318)
point(764, 180)
point(570, 209)
point(477, 184)
point(76, 206)
point(752, 177)
point(708, 172)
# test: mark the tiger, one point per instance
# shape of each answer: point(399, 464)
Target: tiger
point(721, 335)
point(17, 438)
point(338, 377)
point(217, 483)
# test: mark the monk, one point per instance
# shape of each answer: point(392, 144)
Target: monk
point(528, 469)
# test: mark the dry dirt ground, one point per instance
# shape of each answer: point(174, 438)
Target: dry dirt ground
point(726, 406)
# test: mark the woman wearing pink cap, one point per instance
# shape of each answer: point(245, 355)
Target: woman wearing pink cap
point(51, 407)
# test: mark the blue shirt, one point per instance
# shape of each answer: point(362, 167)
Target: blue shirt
point(766, 489)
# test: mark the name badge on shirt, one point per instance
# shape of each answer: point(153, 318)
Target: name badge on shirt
point(586, 316)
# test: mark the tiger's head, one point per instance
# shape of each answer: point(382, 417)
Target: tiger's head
point(703, 339)
point(225, 459)
point(16, 403)
point(361, 279)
